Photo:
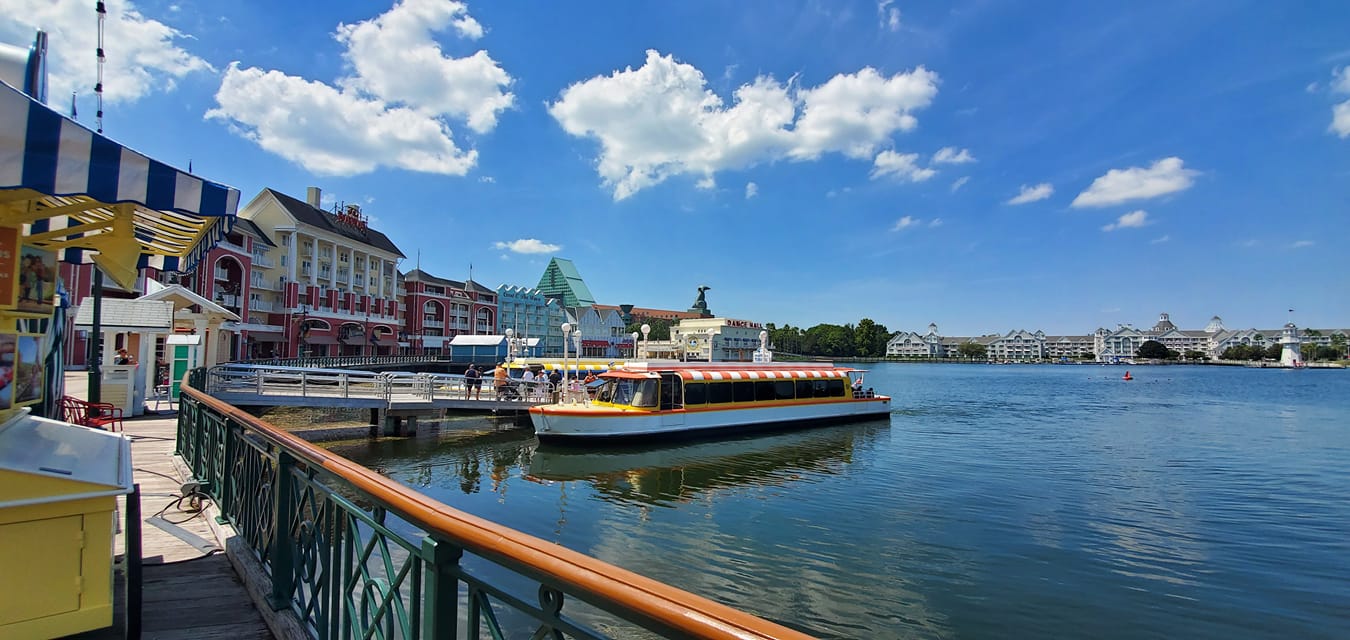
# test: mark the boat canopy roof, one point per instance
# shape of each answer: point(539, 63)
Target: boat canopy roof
point(629, 375)
point(760, 374)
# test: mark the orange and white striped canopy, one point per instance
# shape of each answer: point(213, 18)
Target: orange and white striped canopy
point(751, 374)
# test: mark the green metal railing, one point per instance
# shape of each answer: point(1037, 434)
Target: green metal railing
point(355, 555)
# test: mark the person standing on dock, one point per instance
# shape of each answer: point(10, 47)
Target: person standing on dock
point(472, 381)
point(499, 376)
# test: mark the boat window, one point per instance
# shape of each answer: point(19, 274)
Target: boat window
point(783, 390)
point(671, 394)
point(644, 393)
point(804, 389)
point(764, 391)
point(818, 389)
point(606, 392)
point(719, 392)
point(623, 392)
point(743, 391)
point(695, 393)
point(834, 388)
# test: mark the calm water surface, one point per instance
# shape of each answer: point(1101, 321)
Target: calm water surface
point(998, 501)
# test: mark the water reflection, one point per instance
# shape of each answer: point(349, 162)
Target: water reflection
point(671, 474)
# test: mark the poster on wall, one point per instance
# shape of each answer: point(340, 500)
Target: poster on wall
point(37, 279)
point(8, 346)
point(9, 250)
point(27, 370)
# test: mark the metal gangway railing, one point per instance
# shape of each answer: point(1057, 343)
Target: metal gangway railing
point(353, 554)
point(328, 362)
point(247, 383)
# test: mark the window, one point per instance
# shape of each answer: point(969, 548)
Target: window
point(743, 391)
point(764, 391)
point(834, 388)
point(719, 392)
point(784, 390)
point(804, 389)
point(695, 393)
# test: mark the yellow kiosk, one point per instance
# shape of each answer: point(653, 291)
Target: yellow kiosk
point(58, 495)
point(70, 194)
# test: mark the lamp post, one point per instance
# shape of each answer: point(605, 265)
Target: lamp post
point(646, 329)
point(510, 345)
point(301, 330)
point(567, 334)
point(711, 332)
point(635, 351)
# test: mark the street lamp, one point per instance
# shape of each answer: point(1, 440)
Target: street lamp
point(646, 329)
point(635, 353)
point(510, 345)
point(567, 333)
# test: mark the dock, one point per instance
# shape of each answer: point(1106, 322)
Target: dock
point(189, 587)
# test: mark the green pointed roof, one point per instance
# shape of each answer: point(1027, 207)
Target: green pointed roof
point(561, 278)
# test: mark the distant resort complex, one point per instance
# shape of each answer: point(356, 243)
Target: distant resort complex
point(292, 280)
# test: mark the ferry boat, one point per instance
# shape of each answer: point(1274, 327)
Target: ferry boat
point(674, 399)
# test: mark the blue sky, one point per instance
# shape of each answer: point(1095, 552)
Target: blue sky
point(983, 165)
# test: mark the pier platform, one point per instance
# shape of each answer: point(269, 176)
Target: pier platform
point(189, 587)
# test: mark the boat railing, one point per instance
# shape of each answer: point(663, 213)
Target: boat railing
point(352, 553)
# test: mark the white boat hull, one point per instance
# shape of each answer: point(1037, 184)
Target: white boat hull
point(578, 423)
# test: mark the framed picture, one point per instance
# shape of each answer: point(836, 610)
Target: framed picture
point(28, 381)
point(9, 255)
point(9, 344)
point(37, 279)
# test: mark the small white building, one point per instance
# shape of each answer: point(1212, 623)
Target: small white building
point(717, 339)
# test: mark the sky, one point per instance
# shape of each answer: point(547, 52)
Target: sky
point(983, 165)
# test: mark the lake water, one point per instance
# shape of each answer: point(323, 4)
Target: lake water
point(998, 501)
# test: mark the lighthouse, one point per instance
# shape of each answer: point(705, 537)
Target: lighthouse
point(1292, 355)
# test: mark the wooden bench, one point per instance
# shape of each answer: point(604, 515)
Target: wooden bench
point(98, 415)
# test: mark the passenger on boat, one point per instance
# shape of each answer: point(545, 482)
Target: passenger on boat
point(857, 386)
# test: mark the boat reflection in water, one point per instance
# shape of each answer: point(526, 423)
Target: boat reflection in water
point(671, 474)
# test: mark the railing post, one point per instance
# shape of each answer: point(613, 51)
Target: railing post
point(283, 556)
point(345, 386)
point(441, 600)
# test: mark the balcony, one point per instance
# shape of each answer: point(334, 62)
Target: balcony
point(222, 274)
point(433, 324)
point(305, 270)
point(343, 277)
point(226, 244)
point(259, 305)
point(259, 260)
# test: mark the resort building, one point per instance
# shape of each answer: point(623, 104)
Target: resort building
point(909, 344)
point(562, 280)
point(531, 314)
point(1017, 346)
point(717, 339)
point(601, 334)
point(332, 288)
point(1071, 347)
point(440, 309)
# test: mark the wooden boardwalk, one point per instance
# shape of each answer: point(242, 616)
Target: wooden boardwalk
point(189, 590)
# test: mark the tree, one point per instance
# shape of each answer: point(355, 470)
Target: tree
point(870, 339)
point(1152, 349)
point(1327, 353)
point(1173, 354)
point(1192, 354)
point(973, 350)
point(1338, 342)
point(1272, 352)
point(659, 326)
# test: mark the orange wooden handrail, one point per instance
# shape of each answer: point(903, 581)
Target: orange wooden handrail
point(676, 609)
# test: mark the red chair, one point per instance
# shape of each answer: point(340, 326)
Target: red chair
point(98, 415)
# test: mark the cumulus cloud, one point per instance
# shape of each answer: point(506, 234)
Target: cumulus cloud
point(935, 222)
point(751, 190)
point(1133, 219)
point(1165, 176)
point(1340, 80)
point(393, 111)
point(144, 53)
point(527, 245)
point(1340, 113)
point(1160, 239)
point(950, 155)
point(660, 120)
point(1301, 244)
point(960, 182)
point(888, 15)
point(1032, 194)
point(901, 166)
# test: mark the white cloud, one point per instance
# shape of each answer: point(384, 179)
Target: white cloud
point(339, 133)
point(393, 112)
point(1137, 183)
point(396, 58)
point(1131, 220)
point(661, 120)
point(707, 183)
point(1032, 194)
point(143, 53)
point(905, 223)
point(960, 182)
point(950, 155)
point(487, 179)
point(1160, 239)
point(1340, 119)
point(1340, 80)
point(1312, 87)
point(1301, 244)
point(901, 166)
point(751, 190)
point(935, 222)
point(888, 15)
point(527, 245)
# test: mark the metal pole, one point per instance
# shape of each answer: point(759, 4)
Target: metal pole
point(96, 341)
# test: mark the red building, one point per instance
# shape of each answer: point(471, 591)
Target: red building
point(439, 309)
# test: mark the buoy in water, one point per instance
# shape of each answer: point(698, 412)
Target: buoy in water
point(1128, 376)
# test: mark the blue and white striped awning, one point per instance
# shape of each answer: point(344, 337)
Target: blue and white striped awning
point(77, 177)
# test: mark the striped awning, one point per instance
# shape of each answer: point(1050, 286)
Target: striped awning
point(73, 185)
point(760, 375)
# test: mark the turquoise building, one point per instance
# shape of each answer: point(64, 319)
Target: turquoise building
point(531, 314)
